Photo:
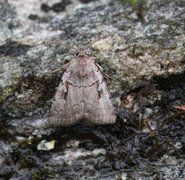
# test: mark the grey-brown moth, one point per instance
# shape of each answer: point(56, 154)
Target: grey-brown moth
point(82, 94)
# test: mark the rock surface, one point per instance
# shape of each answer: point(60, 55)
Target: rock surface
point(37, 39)
point(142, 52)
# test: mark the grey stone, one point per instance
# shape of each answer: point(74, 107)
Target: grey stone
point(37, 39)
point(131, 53)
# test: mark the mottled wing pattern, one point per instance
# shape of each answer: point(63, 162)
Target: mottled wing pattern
point(99, 108)
point(64, 111)
point(82, 94)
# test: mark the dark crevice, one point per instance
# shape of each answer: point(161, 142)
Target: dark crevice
point(167, 83)
point(13, 48)
point(57, 7)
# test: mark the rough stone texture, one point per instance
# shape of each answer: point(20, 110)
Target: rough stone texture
point(37, 37)
point(143, 60)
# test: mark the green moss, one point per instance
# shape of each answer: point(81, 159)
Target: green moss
point(132, 2)
point(4, 93)
point(43, 174)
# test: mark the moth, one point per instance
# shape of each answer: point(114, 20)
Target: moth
point(82, 94)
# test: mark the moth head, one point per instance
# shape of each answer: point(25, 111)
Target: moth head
point(81, 53)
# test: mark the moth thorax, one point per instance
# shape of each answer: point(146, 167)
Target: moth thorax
point(82, 61)
point(83, 73)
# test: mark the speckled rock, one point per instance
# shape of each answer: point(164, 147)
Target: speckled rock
point(5, 32)
point(143, 58)
point(39, 37)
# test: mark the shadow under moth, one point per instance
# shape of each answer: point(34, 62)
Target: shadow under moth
point(82, 94)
